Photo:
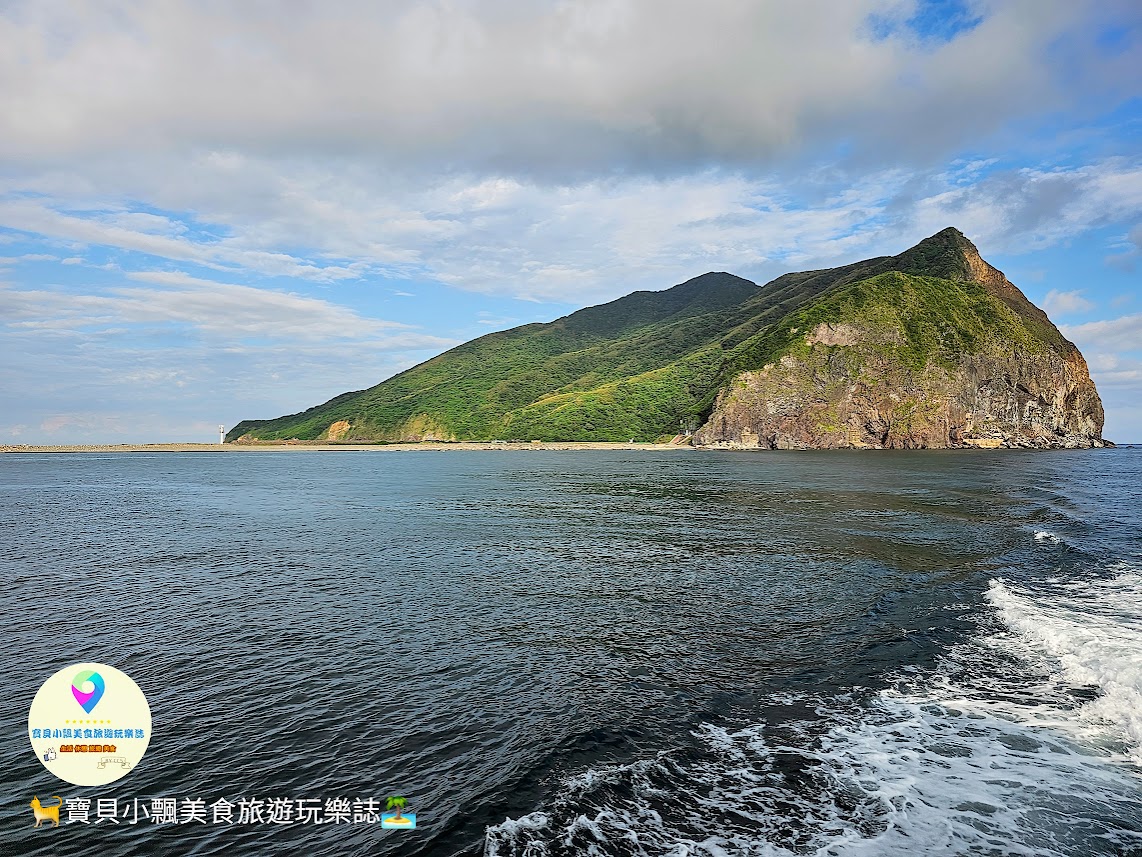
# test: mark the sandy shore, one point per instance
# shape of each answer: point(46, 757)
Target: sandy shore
point(337, 447)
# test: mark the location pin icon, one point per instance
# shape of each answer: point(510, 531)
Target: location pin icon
point(87, 699)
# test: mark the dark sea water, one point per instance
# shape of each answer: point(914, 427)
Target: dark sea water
point(610, 653)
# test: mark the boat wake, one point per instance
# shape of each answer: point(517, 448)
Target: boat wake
point(1025, 740)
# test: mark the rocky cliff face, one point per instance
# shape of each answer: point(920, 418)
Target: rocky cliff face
point(905, 361)
point(845, 395)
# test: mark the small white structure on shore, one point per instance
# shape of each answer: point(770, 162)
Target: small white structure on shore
point(222, 434)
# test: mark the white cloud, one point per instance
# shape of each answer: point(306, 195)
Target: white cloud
point(1115, 370)
point(1030, 208)
point(1113, 350)
point(570, 244)
point(167, 239)
point(1123, 334)
point(211, 308)
point(27, 257)
point(1066, 303)
point(544, 88)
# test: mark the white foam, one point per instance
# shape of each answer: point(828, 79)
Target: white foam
point(1024, 742)
point(1044, 536)
point(1089, 635)
point(513, 830)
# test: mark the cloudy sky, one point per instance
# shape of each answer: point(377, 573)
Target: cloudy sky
point(211, 211)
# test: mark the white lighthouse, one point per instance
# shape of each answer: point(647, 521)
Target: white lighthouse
point(222, 434)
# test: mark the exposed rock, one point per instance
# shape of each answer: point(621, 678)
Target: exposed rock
point(856, 384)
point(826, 334)
point(422, 428)
point(845, 397)
point(337, 430)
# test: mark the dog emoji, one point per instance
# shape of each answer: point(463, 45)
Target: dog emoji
point(46, 813)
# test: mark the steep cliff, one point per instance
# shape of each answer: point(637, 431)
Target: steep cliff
point(938, 351)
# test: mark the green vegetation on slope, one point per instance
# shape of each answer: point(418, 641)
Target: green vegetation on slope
point(635, 367)
point(921, 319)
point(497, 386)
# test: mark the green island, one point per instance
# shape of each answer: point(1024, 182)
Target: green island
point(932, 348)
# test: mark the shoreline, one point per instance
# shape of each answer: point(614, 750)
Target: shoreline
point(430, 446)
point(332, 447)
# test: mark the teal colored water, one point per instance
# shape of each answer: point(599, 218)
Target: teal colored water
point(629, 652)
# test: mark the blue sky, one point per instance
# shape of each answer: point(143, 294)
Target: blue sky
point(211, 212)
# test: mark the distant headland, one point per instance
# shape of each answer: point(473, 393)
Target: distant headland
point(930, 349)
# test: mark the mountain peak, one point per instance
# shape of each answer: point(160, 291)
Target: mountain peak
point(949, 255)
point(716, 280)
point(942, 255)
point(699, 295)
point(949, 237)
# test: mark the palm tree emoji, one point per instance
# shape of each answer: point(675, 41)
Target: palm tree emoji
point(397, 803)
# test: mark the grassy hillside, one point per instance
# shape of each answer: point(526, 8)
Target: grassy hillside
point(635, 367)
point(499, 385)
point(924, 320)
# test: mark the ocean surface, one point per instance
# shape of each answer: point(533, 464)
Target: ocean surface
point(589, 652)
